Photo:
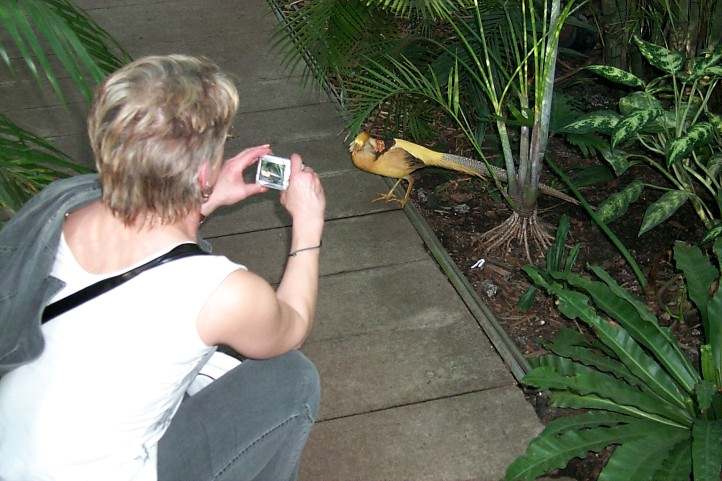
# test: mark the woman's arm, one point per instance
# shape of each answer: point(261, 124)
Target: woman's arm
point(245, 312)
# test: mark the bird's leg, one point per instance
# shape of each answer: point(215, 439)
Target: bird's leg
point(389, 196)
point(410, 181)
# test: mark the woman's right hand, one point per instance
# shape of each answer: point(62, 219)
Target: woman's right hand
point(304, 199)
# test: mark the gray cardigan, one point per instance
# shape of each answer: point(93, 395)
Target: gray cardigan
point(28, 243)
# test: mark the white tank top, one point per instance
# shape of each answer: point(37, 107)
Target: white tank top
point(113, 372)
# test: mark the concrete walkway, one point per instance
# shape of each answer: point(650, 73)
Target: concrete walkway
point(412, 388)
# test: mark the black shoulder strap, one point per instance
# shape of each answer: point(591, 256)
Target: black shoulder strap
point(84, 295)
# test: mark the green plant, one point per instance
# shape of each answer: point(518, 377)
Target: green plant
point(665, 123)
point(476, 83)
point(641, 392)
point(34, 30)
point(557, 259)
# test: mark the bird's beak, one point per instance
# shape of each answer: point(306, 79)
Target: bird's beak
point(358, 142)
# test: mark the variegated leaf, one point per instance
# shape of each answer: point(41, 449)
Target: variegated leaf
point(617, 159)
point(714, 71)
point(662, 209)
point(603, 121)
point(617, 75)
point(616, 205)
point(660, 57)
point(631, 124)
point(711, 57)
point(714, 164)
point(716, 121)
point(680, 148)
point(712, 234)
point(638, 101)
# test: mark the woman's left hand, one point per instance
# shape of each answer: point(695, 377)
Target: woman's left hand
point(230, 187)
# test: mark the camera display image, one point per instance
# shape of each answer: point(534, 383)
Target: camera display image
point(273, 172)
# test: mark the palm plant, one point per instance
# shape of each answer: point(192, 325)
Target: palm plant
point(472, 73)
point(641, 392)
point(330, 40)
point(42, 34)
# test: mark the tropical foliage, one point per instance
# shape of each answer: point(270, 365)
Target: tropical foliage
point(640, 391)
point(665, 123)
point(47, 36)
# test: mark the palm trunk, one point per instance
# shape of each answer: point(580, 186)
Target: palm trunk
point(543, 107)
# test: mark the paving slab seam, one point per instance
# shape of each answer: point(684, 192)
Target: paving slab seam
point(417, 403)
point(328, 221)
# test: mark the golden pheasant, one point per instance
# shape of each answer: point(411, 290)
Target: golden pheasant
point(401, 158)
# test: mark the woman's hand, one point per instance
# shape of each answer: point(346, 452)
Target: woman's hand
point(304, 199)
point(230, 187)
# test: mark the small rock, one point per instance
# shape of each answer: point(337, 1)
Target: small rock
point(489, 288)
point(422, 195)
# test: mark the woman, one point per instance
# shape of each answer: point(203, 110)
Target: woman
point(98, 392)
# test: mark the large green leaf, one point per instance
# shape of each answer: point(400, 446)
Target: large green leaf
point(716, 121)
point(713, 329)
point(662, 209)
point(82, 47)
point(618, 159)
point(575, 305)
point(617, 204)
point(559, 374)
point(617, 75)
point(704, 392)
point(650, 319)
point(662, 58)
point(603, 121)
point(639, 459)
point(568, 344)
point(565, 399)
point(677, 464)
point(699, 135)
point(27, 164)
point(637, 101)
point(632, 124)
point(706, 449)
point(552, 451)
point(714, 71)
point(649, 334)
point(699, 274)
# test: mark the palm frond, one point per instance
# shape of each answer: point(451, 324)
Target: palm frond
point(27, 164)
point(83, 49)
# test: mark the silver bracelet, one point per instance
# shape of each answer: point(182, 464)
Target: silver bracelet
point(293, 253)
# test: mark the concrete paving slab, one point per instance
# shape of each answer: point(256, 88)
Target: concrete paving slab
point(347, 191)
point(472, 436)
point(262, 62)
point(401, 297)
point(258, 98)
point(282, 128)
point(287, 125)
point(325, 154)
point(352, 244)
point(381, 370)
point(149, 23)
point(41, 106)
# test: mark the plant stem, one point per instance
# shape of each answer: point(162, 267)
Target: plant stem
point(611, 235)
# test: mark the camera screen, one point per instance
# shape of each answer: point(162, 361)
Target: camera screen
point(272, 173)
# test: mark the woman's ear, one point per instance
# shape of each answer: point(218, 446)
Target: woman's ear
point(205, 180)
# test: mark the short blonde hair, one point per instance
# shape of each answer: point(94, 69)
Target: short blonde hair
point(151, 126)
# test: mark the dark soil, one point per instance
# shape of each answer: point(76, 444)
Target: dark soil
point(459, 209)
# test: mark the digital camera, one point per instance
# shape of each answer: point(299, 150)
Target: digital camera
point(273, 172)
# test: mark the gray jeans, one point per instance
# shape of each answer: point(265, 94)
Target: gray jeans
point(250, 424)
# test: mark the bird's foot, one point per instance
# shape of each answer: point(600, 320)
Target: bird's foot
point(389, 197)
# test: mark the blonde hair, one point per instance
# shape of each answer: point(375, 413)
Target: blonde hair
point(151, 126)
